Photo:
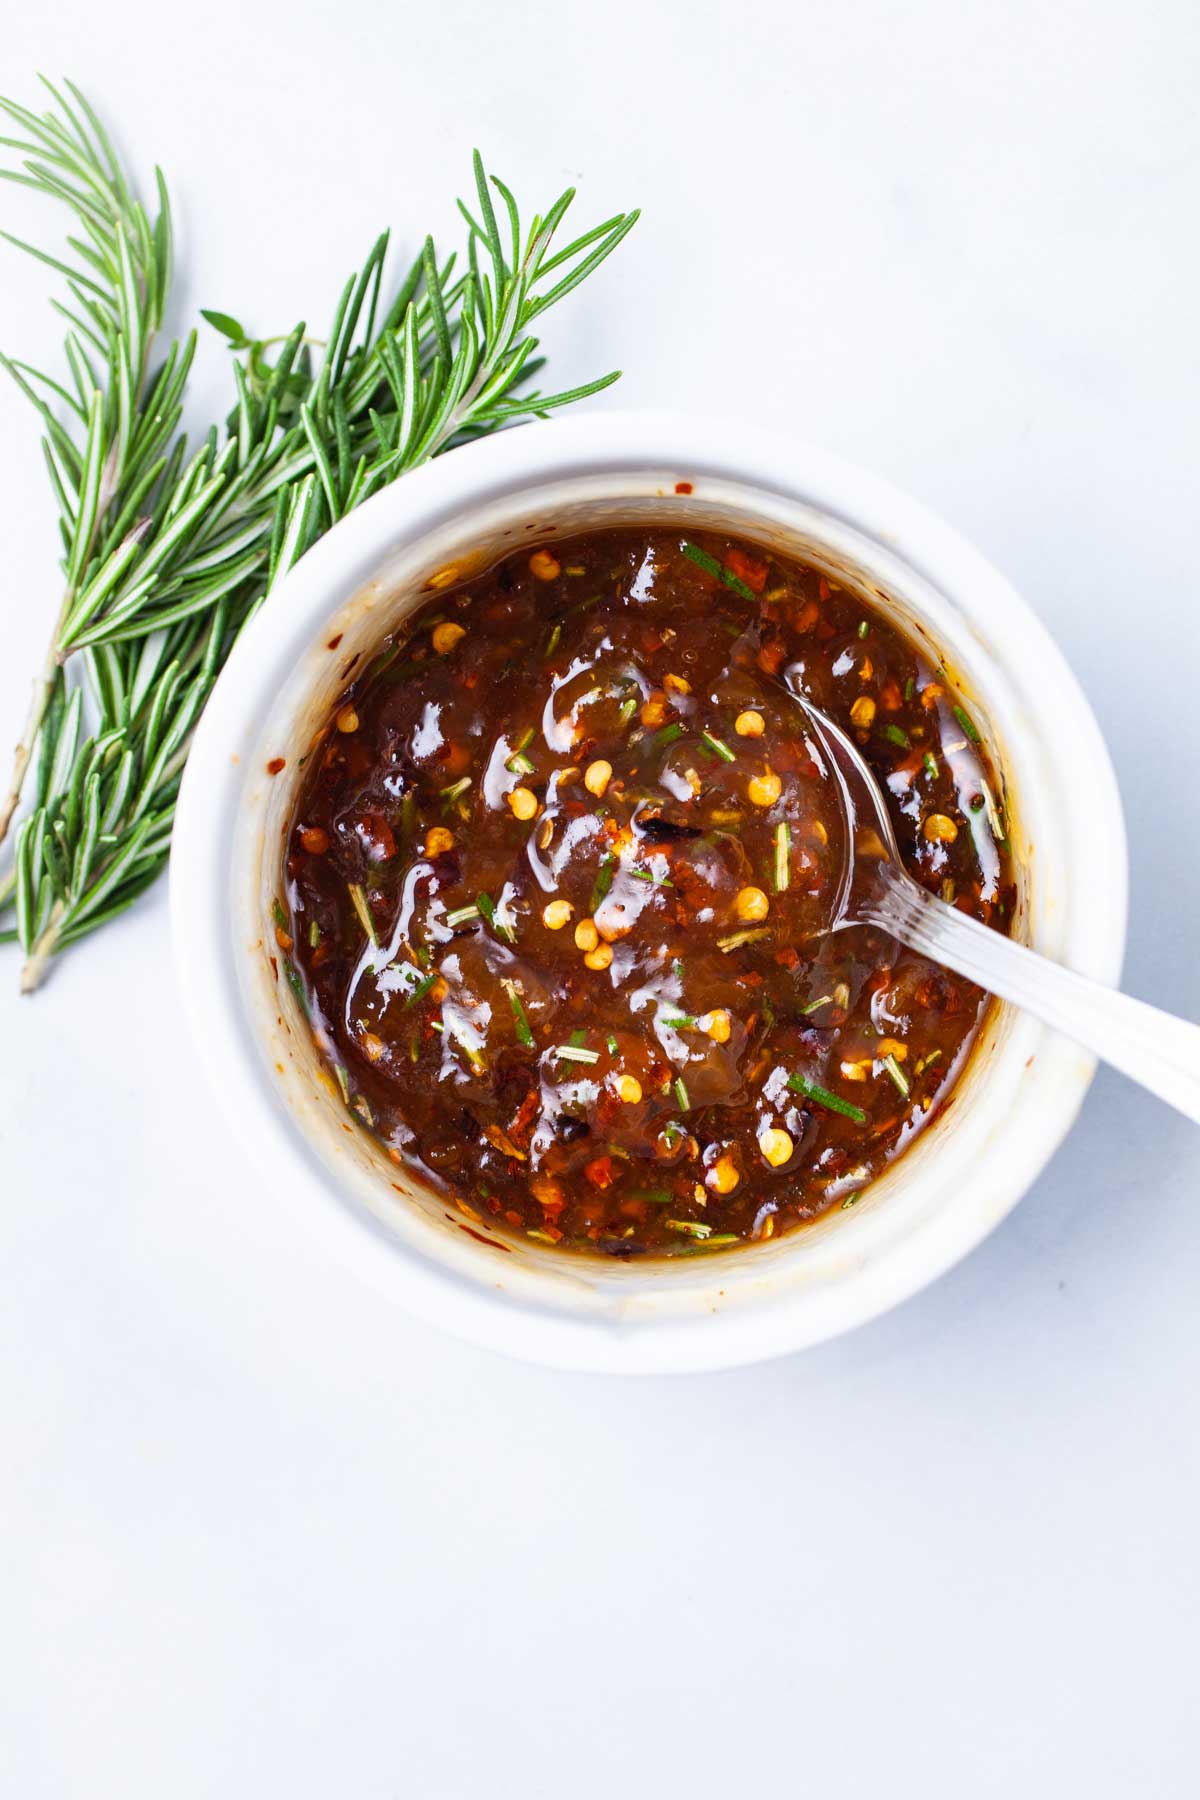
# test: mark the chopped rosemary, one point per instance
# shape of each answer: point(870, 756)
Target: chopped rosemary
point(852, 1200)
point(419, 989)
point(711, 566)
point(314, 933)
point(681, 1022)
point(800, 1084)
point(359, 902)
point(520, 1018)
point(897, 1074)
point(296, 984)
point(931, 764)
point(783, 845)
point(604, 880)
point(362, 1106)
point(488, 909)
point(895, 734)
point(577, 1037)
point(611, 1044)
point(694, 1228)
point(679, 1087)
point(552, 642)
point(649, 875)
point(864, 625)
point(736, 939)
point(278, 914)
point(462, 915)
point(519, 764)
point(342, 1076)
point(575, 1053)
point(668, 735)
point(995, 821)
point(720, 746)
point(458, 1035)
point(813, 1005)
point(967, 723)
point(450, 795)
point(628, 708)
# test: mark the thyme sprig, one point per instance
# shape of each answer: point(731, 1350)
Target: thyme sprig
point(168, 554)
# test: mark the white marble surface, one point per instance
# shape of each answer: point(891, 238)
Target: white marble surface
point(261, 1535)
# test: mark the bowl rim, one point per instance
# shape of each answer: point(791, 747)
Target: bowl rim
point(276, 639)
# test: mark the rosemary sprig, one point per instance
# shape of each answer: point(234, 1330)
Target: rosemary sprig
point(168, 555)
point(111, 452)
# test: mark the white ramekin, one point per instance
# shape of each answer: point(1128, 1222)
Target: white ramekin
point(1023, 1086)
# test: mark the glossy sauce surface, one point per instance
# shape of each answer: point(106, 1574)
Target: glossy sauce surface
point(557, 889)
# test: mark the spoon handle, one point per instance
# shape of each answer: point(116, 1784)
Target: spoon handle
point(1160, 1052)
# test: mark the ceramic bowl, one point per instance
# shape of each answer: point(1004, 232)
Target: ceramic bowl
point(1023, 1085)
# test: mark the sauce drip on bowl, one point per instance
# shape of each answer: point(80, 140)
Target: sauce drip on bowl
point(558, 885)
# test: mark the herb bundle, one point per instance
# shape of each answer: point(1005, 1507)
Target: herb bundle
point(167, 552)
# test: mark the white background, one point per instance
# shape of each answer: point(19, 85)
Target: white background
point(263, 1536)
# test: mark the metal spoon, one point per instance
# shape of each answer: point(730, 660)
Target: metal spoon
point(1158, 1051)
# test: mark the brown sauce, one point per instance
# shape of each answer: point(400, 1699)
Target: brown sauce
point(557, 888)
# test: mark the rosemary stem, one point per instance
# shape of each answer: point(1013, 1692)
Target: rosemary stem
point(38, 961)
point(43, 687)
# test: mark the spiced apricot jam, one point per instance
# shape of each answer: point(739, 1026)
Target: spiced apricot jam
point(558, 886)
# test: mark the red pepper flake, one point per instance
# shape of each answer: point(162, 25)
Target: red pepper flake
point(683, 487)
point(314, 840)
point(600, 1172)
point(283, 939)
point(787, 958)
point(749, 569)
point(276, 764)
point(334, 642)
point(822, 587)
point(375, 836)
point(521, 1129)
point(807, 616)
